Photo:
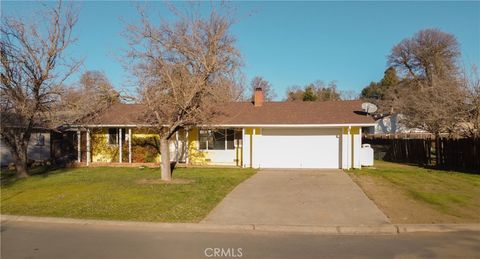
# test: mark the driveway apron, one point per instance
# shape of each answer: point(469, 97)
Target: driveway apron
point(297, 197)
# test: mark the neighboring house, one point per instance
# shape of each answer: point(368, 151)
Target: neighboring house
point(38, 148)
point(247, 134)
point(392, 124)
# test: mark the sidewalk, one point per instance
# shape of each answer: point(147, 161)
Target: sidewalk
point(195, 227)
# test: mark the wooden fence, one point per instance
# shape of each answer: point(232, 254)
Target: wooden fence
point(453, 153)
point(459, 153)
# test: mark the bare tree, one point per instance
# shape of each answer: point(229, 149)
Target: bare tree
point(349, 95)
point(260, 82)
point(430, 54)
point(85, 100)
point(438, 109)
point(185, 70)
point(33, 68)
point(431, 96)
point(472, 84)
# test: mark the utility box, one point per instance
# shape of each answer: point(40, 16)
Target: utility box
point(366, 154)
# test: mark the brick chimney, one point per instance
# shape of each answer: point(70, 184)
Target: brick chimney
point(258, 97)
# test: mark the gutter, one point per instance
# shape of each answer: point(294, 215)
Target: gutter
point(231, 125)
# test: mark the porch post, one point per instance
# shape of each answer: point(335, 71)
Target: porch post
point(120, 144)
point(130, 145)
point(88, 147)
point(79, 146)
point(176, 146)
point(243, 145)
point(349, 148)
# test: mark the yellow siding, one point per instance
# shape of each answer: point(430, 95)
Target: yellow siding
point(195, 156)
point(101, 150)
point(250, 131)
point(353, 130)
point(142, 134)
point(104, 152)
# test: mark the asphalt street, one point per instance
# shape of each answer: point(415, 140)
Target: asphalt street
point(42, 240)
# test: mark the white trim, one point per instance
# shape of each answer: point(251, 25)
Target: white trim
point(176, 146)
point(243, 149)
point(349, 148)
point(88, 147)
point(233, 125)
point(120, 145)
point(111, 125)
point(226, 140)
point(290, 125)
point(130, 146)
point(79, 146)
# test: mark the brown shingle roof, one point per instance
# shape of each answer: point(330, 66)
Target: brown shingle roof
point(329, 112)
point(120, 114)
point(240, 113)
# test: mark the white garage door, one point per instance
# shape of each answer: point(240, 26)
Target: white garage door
point(297, 148)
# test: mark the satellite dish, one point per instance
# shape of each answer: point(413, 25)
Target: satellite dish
point(369, 107)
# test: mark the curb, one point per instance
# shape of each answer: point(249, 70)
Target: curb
point(438, 228)
point(384, 229)
point(128, 224)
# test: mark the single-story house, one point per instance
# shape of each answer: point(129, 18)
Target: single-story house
point(254, 134)
point(38, 147)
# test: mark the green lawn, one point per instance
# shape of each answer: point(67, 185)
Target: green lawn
point(120, 193)
point(454, 194)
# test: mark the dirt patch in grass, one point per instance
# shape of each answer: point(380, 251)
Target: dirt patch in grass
point(160, 181)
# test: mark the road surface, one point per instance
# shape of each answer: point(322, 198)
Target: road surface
point(41, 240)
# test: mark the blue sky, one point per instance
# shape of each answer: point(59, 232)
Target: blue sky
point(288, 43)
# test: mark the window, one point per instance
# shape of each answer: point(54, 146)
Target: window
point(113, 136)
point(40, 140)
point(216, 139)
point(230, 139)
point(204, 139)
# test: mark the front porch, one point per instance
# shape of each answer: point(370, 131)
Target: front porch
point(123, 146)
point(133, 147)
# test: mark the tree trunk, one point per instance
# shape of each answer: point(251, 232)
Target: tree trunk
point(165, 166)
point(20, 160)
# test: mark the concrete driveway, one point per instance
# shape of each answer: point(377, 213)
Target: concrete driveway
point(297, 197)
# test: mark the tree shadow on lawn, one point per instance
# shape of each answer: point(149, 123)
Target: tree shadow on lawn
point(8, 177)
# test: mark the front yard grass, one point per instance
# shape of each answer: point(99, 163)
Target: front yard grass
point(412, 194)
point(121, 193)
